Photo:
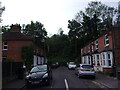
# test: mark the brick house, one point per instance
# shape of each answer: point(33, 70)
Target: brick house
point(101, 51)
point(14, 40)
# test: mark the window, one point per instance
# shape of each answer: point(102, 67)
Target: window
point(88, 59)
point(106, 40)
point(103, 59)
point(5, 46)
point(98, 63)
point(96, 43)
point(4, 58)
point(109, 59)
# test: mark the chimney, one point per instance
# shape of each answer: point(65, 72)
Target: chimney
point(15, 28)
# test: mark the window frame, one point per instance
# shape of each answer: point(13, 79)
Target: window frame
point(96, 45)
point(106, 40)
point(5, 45)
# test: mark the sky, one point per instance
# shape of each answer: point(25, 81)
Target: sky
point(53, 14)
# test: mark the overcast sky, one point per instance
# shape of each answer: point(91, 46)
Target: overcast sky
point(54, 14)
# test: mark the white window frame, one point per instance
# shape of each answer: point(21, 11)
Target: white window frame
point(4, 57)
point(89, 59)
point(103, 59)
point(105, 62)
point(109, 58)
point(97, 59)
point(5, 45)
point(106, 38)
point(96, 44)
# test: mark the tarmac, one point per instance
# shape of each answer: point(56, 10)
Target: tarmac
point(107, 81)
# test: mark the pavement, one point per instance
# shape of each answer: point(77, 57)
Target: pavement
point(107, 81)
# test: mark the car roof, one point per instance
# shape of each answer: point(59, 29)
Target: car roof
point(40, 65)
point(85, 64)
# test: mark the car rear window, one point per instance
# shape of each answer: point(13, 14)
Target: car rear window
point(86, 66)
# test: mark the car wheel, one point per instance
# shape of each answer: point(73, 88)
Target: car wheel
point(78, 75)
point(28, 85)
point(94, 77)
point(49, 81)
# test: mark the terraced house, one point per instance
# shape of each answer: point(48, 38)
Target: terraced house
point(14, 40)
point(99, 52)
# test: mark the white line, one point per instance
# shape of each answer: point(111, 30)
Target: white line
point(66, 84)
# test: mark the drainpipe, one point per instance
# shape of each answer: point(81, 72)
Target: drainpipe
point(113, 46)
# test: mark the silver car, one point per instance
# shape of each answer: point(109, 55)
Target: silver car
point(85, 70)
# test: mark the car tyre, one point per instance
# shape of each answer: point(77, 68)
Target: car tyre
point(78, 75)
point(28, 86)
point(94, 77)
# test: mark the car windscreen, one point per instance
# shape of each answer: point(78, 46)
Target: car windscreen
point(72, 63)
point(86, 66)
point(41, 68)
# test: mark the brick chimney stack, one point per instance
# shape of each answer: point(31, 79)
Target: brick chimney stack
point(15, 28)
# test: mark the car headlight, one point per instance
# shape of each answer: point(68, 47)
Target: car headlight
point(27, 77)
point(46, 75)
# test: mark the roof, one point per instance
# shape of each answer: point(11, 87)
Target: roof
point(11, 36)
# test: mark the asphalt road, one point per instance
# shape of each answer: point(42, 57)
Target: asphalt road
point(66, 80)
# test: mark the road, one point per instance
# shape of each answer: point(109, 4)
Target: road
point(67, 80)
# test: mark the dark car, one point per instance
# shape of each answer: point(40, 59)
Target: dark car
point(55, 64)
point(39, 75)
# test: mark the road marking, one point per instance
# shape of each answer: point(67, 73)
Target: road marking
point(66, 84)
point(99, 84)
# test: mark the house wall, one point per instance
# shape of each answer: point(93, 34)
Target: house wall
point(14, 49)
point(101, 47)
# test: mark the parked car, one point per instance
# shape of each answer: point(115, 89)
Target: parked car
point(55, 64)
point(85, 70)
point(39, 75)
point(71, 65)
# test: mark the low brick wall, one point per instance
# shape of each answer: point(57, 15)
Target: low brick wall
point(107, 69)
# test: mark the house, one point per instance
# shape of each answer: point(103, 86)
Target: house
point(99, 52)
point(14, 40)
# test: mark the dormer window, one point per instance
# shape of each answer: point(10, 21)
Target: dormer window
point(5, 46)
point(106, 40)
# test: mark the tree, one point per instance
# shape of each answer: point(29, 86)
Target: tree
point(37, 31)
point(105, 13)
point(5, 28)
point(27, 55)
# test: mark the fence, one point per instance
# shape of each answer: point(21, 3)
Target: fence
point(10, 70)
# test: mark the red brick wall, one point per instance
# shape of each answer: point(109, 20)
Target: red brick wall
point(101, 45)
point(107, 69)
point(14, 49)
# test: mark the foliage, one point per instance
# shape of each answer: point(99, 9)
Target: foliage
point(37, 31)
point(27, 55)
point(89, 24)
point(5, 28)
point(9, 59)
